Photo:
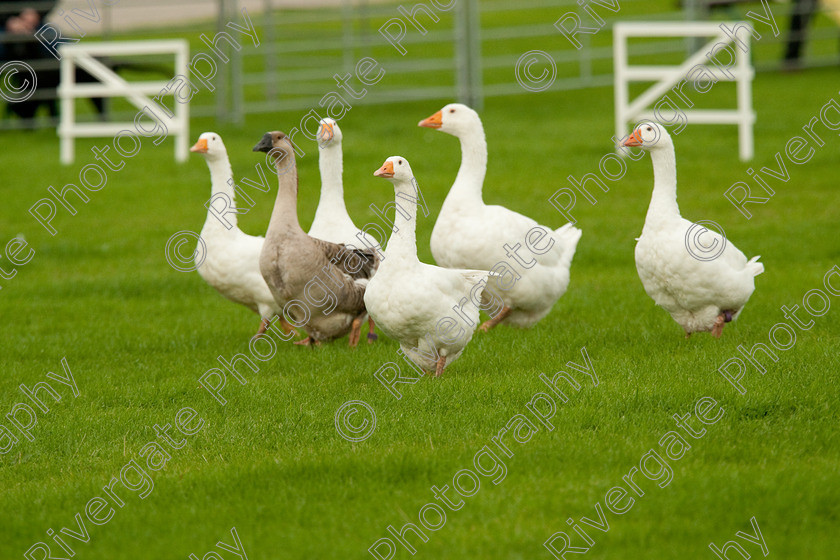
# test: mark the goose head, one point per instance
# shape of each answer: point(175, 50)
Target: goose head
point(210, 144)
point(279, 148)
point(395, 169)
point(328, 133)
point(276, 144)
point(649, 136)
point(455, 119)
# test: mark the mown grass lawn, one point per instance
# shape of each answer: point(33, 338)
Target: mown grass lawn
point(137, 335)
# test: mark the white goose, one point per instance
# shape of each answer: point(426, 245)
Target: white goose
point(332, 222)
point(414, 302)
point(471, 234)
point(232, 261)
point(700, 295)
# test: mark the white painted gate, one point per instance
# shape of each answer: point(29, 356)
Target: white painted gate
point(82, 55)
point(629, 111)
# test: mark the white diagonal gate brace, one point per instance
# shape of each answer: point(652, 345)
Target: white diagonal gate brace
point(112, 85)
point(667, 76)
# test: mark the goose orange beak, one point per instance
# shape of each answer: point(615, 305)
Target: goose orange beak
point(634, 139)
point(326, 132)
point(386, 171)
point(435, 121)
point(200, 146)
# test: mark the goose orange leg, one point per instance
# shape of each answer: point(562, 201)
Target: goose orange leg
point(355, 332)
point(308, 341)
point(371, 336)
point(724, 317)
point(489, 324)
point(284, 326)
point(263, 326)
point(441, 363)
point(717, 330)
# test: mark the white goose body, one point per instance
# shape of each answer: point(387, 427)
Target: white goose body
point(332, 222)
point(231, 264)
point(471, 234)
point(412, 302)
point(700, 295)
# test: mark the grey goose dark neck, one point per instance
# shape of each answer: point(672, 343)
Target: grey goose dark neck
point(284, 218)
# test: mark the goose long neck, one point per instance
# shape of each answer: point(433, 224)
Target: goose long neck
point(470, 178)
point(285, 206)
point(403, 242)
point(221, 177)
point(331, 163)
point(663, 202)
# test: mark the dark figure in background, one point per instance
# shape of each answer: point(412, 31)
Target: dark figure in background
point(802, 11)
point(19, 21)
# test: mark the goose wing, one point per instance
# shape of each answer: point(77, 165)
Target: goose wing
point(357, 263)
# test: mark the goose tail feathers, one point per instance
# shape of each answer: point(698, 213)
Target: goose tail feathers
point(568, 235)
point(754, 266)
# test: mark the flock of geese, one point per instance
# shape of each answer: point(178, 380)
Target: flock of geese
point(324, 283)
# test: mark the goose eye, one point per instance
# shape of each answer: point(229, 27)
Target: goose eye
point(451, 110)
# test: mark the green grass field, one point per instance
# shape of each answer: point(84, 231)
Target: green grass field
point(137, 335)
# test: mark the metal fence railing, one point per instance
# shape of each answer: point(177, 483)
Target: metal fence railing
point(462, 53)
point(455, 49)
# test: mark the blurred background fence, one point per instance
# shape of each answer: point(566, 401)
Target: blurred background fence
point(466, 52)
